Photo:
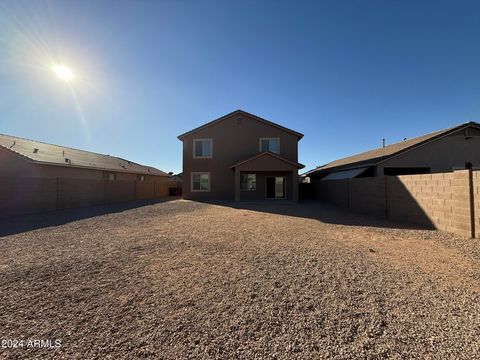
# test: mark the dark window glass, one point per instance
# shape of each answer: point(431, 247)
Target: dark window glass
point(248, 182)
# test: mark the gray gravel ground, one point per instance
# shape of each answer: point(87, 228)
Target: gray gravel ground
point(189, 280)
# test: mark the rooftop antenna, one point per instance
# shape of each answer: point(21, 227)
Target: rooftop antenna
point(383, 142)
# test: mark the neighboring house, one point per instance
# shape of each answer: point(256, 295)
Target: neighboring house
point(28, 158)
point(178, 177)
point(441, 151)
point(177, 184)
point(240, 156)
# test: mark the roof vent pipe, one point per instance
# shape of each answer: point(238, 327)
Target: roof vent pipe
point(383, 142)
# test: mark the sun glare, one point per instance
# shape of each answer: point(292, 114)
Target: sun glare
point(63, 72)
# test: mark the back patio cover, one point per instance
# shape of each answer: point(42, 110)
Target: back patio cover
point(267, 161)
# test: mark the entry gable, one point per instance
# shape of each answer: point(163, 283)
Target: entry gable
point(267, 161)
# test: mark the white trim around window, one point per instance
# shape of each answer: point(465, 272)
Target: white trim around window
point(204, 141)
point(201, 175)
point(269, 138)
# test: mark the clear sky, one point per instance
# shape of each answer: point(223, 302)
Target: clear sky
point(344, 73)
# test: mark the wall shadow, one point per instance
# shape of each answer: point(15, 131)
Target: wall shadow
point(412, 200)
point(22, 223)
point(323, 212)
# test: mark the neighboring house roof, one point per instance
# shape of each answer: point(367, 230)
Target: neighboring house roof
point(178, 177)
point(241, 112)
point(373, 157)
point(48, 154)
point(270, 154)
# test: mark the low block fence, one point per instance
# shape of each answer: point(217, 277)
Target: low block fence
point(445, 201)
point(20, 196)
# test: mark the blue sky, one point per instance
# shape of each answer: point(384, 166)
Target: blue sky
point(344, 73)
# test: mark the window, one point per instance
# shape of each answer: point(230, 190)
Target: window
point(109, 176)
point(141, 177)
point(202, 148)
point(248, 182)
point(201, 182)
point(270, 144)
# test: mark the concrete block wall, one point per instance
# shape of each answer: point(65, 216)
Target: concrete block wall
point(162, 188)
point(476, 202)
point(27, 195)
point(153, 189)
point(441, 201)
point(20, 196)
point(460, 204)
point(145, 190)
point(119, 191)
point(368, 195)
point(410, 198)
point(72, 193)
point(333, 191)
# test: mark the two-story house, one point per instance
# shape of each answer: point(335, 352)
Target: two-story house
point(240, 156)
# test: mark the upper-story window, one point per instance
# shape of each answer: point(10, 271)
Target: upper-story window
point(270, 144)
point(202, 148)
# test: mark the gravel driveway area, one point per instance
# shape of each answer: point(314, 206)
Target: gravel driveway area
point(184, 279)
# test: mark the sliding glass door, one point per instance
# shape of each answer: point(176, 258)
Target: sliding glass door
point(275, 187)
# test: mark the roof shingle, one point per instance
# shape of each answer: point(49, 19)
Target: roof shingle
point(48, 154)
point(374, 156)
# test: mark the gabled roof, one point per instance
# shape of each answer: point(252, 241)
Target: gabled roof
point(48, 154)
point(241, 112)
point(373, 157)
point(270, 154)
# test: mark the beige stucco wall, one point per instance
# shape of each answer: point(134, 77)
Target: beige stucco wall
point(440, 155)
point(232, 143)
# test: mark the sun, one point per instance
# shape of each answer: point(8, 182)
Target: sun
point(63, 72)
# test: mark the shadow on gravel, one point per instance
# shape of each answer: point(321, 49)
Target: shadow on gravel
point(23, 223)
point(320, 211)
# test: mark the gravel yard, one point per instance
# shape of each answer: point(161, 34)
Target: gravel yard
point(182, 279)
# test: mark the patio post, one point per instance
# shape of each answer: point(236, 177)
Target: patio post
point(295, 186)
point(237, 184)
